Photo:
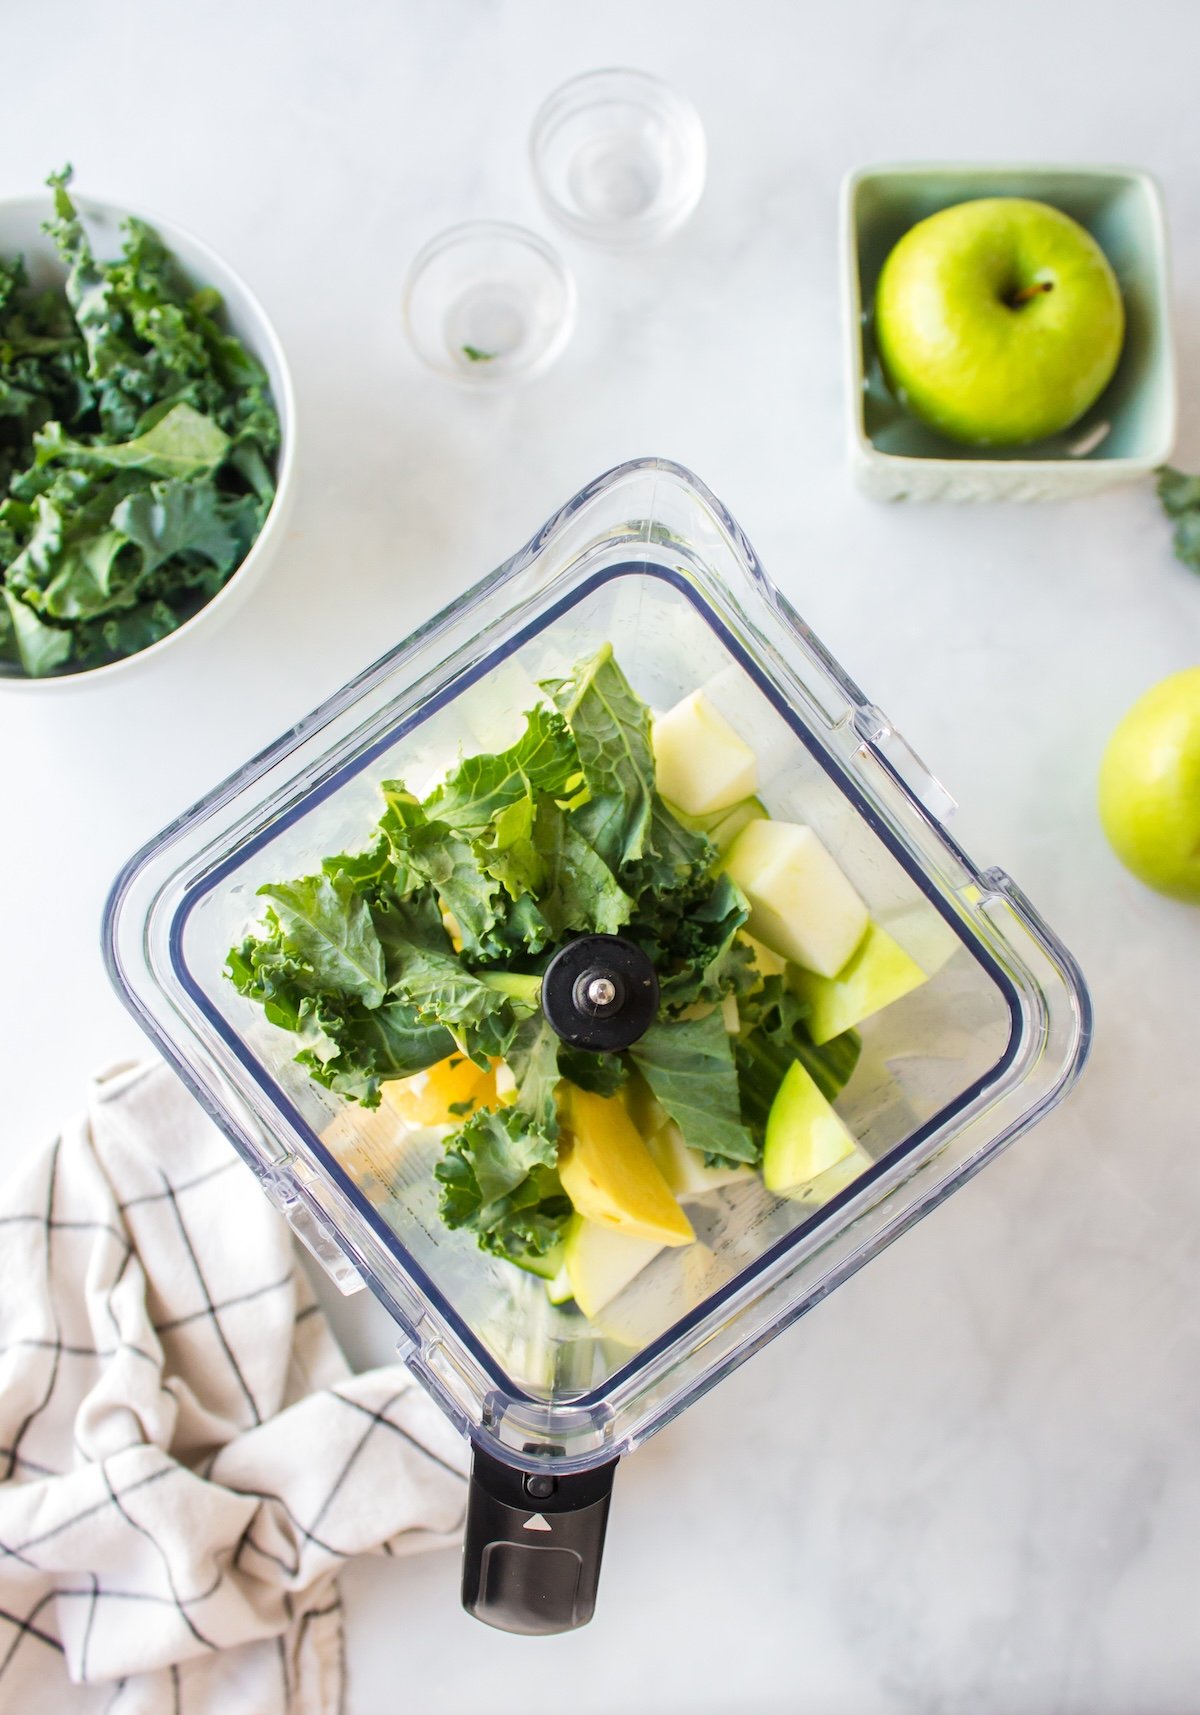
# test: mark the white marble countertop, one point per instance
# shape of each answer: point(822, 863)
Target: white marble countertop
point(971, 1480)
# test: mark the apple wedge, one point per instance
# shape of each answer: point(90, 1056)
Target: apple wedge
point(684, 1170)
point(878, 972)
point(700, 762)
point(599, 1263)
point(805, 1137)
point(826, 1186)
point(559, 1290)
point(766, 963)
point(801, 905)
point(656, 1298)
point(610, 1175)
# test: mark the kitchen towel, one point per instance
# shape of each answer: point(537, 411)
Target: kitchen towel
point(187, 1460)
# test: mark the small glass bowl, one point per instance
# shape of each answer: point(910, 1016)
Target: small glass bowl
point(486, 302)
point(618, 157)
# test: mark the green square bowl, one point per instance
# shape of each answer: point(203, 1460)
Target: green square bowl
point(1129, 431)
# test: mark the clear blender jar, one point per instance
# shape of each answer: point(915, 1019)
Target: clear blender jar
point(644, 558)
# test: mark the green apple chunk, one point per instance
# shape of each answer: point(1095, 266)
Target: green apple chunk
point(723, 826)
point(724, 831)
point(657, 1298)
point(684, 1170)
point(998, 321)
point(878, 972)
point(701, 764)
point(545, 1267)
point(805, 1136)
point(766, 963)
point(801, 905)
point(600, 1262)
point(559, 1290)
point(1150, 787)
point(826, 1186)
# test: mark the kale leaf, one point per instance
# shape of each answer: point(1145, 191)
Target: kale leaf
point(446, 859)
point(533, 1061)
point(327, 926)
point(696, 949)
point(579, 892)
point(353, 1049)
point(1180, 496)
point(184, 442)
point(602, 1074)
point(499, 1178)
point(688, 1064)
point(442, 990)
point(611, 728)
point(542, 760)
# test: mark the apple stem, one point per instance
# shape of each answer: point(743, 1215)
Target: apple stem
point(1028, 292)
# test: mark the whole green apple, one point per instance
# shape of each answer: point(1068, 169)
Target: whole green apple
point(1150, 787)
point(999, 321)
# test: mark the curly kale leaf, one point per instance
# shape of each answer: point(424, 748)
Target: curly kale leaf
point(314, 970)
point(696, 949)
point(481, 788)
point(352, 1049)
point(602, 1074)
point(533, 1061)
point(579, 891)
point(499, 1179)
point(27, 639)
point(182, 442)
point(1180, 496)
point(621, 817)
point(611, 728)
point(439, 855)
point(442, 990)
point(328, 926)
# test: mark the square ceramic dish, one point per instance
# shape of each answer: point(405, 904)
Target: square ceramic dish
point(646, 559)
point(1128, 432)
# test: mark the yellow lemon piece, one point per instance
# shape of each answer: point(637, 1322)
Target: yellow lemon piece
point(610, 1175)
point(431, 1097)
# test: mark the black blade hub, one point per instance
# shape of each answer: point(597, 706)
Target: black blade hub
point(600, 992)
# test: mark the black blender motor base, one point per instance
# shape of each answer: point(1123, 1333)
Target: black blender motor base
point(533, 1545)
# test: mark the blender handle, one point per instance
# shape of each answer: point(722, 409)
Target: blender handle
point(533, 1545)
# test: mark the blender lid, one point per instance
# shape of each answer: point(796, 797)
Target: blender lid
point(646, 559)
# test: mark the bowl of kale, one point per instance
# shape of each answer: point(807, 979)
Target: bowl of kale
point(145, 439)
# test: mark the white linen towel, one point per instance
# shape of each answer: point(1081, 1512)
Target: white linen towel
point(186, 1460)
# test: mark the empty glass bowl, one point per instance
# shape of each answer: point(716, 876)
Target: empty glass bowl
point(618, 157)
point(487, 302)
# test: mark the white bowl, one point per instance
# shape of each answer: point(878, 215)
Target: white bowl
point(21, 233)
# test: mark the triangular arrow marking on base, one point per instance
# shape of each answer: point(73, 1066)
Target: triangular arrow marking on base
point(537, 1522)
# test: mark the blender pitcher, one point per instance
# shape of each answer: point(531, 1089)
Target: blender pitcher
point(647, 560)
